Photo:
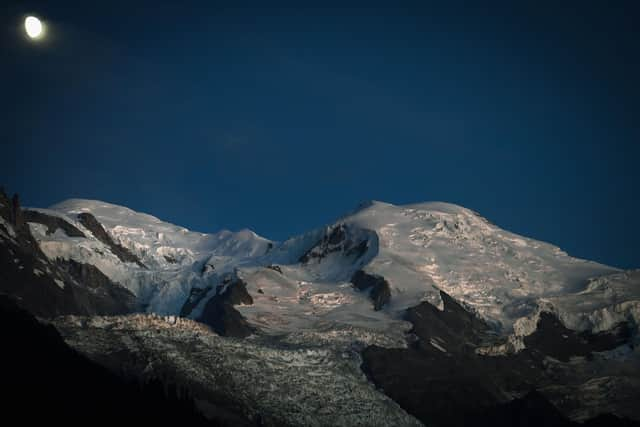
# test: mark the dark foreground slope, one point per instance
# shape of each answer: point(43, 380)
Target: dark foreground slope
point(44, 380)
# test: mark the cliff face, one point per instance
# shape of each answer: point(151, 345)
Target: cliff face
point(51, 287)
point(220, 314)
point(92, 224)
point(443, 380)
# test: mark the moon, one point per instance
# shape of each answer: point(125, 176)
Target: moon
point(33, 26)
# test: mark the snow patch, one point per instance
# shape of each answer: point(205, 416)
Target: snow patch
point(7, 226)
point(434, 343)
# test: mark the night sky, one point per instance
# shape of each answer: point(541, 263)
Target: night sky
point(230, 114)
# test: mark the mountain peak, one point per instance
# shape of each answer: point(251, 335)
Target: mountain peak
point(430, 206)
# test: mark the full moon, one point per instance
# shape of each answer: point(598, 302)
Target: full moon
point(33, 27)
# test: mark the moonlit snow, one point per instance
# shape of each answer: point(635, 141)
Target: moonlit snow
point(419, 249)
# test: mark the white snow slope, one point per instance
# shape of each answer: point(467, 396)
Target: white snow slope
point(419, 249)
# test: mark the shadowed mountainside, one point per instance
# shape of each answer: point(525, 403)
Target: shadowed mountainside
point(45, 380)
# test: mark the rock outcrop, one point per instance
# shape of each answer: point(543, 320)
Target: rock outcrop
point(92, 224)
point(49, 288)
point(335, 239)
point(378, 288)
point(52, 223)
point(462, 387)
point(220, 314)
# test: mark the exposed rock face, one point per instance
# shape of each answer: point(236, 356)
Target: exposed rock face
point(463, 388)
point(222, 317)
point(553, 339)
point(335, 239)
point(52, 223)
point(170, 259)
point(459, 328)
point(378, 288)
point(236, 293)
point(436, 369)
point(16, 227)
point(92, 224)
point(196, 295)
point(275, 268)
point(207, 267)
point(49, 288)
point(35, 283)
point(17, 218)
point(103, 296)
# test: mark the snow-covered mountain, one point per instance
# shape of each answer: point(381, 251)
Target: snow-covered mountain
point(419, 250)
point(380, 277)
point(173, 260)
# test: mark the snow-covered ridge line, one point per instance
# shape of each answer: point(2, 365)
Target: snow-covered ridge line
point(174, 256)
point(419, 249)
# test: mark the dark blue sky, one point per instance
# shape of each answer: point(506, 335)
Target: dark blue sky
point(229, 115)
